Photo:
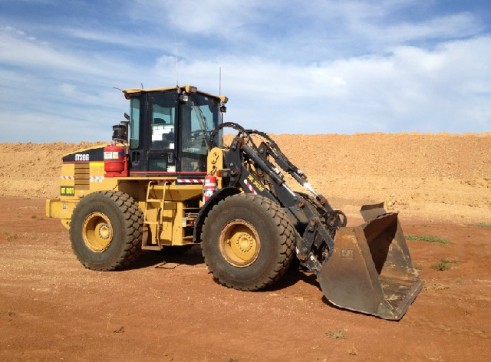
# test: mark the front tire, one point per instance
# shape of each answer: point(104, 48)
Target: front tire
point(106, 230)
point(247, 242)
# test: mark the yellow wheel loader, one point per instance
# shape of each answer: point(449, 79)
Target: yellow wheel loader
point(167, 179)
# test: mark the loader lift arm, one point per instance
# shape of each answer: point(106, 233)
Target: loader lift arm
point(252, 170)
point(365, 268)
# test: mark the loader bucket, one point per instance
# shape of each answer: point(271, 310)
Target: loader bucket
point(370, 270)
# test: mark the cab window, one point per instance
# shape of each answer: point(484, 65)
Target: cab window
point(134, 123)
point(163, 117)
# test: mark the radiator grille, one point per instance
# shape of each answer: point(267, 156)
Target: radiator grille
point(82, 176)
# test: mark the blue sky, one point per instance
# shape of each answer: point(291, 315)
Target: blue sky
point(297, 67)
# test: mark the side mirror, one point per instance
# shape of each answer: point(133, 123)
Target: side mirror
point(127, 116)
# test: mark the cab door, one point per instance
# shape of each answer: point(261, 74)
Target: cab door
point(153, 134)
point(161, 139)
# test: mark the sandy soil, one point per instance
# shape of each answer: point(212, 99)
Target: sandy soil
point(167, 307)
point(432, 176)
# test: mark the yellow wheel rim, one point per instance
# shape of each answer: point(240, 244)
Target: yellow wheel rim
point(239, 243)
point(97, 232)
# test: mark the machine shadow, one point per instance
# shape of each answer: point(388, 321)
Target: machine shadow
point(169, 256)
point(292, 276)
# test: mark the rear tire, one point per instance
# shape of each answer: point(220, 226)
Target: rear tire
point(106, 230)
point(247, 242)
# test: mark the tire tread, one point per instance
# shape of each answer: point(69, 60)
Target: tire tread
point(133, 229)
point(287, 238)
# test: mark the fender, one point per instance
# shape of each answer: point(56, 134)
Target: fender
point(203, 213)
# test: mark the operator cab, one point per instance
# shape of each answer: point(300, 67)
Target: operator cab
point(169, 130)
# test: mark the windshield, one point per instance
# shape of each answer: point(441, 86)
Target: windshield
point(204, 117)
point(200, 116)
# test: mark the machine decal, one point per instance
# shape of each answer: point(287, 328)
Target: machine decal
point(95, 154)
point(96, 178)
point(82, 157)
point(68, 177)
point(255, 183)
point(112, 155)
point(189, 181)
point(250, 187)
point(67, 190)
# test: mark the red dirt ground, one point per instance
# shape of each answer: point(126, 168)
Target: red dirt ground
point(168, 308)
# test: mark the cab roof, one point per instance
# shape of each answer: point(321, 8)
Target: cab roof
point(128, 93)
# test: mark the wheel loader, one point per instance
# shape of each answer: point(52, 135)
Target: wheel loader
point(168, 179)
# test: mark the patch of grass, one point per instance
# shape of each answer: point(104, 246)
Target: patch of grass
point(436, 287)
point(436, 359)
point(484, 225)
point(442, 265)
point(428, 238)
point(7, 313)
point(337, 334)
point(12, 236)
point(353, 351)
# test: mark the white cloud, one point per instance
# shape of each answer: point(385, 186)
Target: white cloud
point(18, 50)
point(49, 128)
point(409, 89)
point(134, 40)
point(205, 17)
point(327, 66)
point(458, 25)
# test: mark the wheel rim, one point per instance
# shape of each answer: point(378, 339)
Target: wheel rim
point(97, 232)
point(239, 243)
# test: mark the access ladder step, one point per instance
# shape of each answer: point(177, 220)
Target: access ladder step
point(146, 222)
point(152, 247)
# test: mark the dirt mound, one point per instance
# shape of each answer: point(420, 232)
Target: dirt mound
point(33, 169)
point(438, 176)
